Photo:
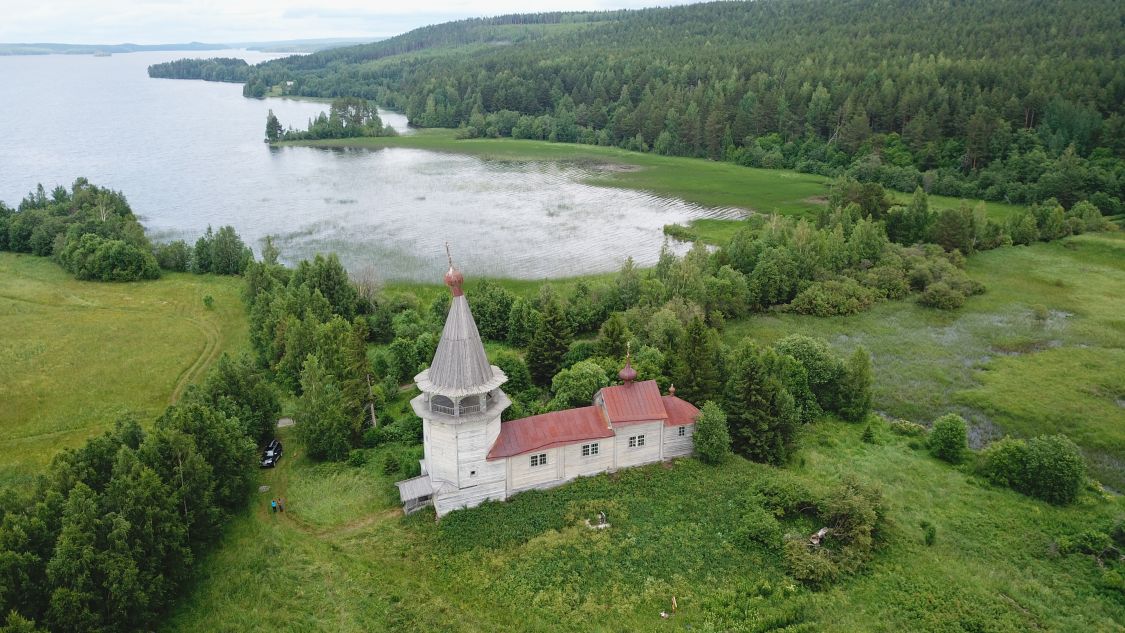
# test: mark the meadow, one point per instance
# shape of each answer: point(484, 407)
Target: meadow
point(343, 558)
point(76, 355)
point(1041, 351)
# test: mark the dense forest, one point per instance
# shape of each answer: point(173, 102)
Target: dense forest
point(93, 233)
point(1004, 100)
point(212, 69)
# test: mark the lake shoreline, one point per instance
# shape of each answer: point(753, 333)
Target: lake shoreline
point(709, 183)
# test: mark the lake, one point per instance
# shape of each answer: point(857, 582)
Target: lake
point(189, 154)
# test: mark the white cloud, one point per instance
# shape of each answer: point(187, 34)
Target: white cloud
point(167, 21)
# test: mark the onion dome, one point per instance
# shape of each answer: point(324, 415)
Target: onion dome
point(453, 277)
point(627, 373)
point(672, 389)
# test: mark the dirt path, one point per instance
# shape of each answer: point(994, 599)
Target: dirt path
point(208, 356)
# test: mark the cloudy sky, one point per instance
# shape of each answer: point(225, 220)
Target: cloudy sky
point(173, 21)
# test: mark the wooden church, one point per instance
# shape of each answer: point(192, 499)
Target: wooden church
point(471, 456)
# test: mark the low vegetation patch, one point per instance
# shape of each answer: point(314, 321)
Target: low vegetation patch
point(75, 355)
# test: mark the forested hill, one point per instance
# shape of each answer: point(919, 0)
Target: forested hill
point(981, 98)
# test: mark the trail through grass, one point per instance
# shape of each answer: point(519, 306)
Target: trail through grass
point(75, 355)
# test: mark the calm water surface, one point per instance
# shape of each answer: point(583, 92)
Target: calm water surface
point(189, 154)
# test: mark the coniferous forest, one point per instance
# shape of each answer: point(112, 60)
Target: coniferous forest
point(1010, 101)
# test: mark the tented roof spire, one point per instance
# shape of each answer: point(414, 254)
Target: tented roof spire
point(460, 366)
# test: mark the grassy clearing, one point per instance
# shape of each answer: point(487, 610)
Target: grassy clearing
point(994, 360)
point(704, 182)
point(355, 564)
point(76, 354)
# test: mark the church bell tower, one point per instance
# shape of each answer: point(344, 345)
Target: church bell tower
point(460, 407)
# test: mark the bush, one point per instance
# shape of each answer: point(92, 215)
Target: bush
point(1047, 467)
point(95, 258)
point(357, 457)
point(949, 438)
point(941, 296)
point(391, 465)
point(929, 532)
point(833, 298)
point(1090, 542)
point(785, 496)
point(908, 428)
point(712, 436)
point(814, 567)
point(759, 527)
point(174, 256)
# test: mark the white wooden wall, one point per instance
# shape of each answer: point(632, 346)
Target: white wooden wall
point(441, 451)
point(575, 465)
point(676, 446)
point(522, 475)
point(473, 443)
point(444, 503)
point(650, 452)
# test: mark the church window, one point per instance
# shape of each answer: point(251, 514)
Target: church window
point(636, 441)
point(589, 449)
point(539, 460)
point(682, 431)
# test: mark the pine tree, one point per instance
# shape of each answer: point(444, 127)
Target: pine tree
point(323, 424)
point(273, 128)
point(523, 323)
point(550, 343)
point(868, 436)
point(698, 369)
point(761, 413)
point(613, 336)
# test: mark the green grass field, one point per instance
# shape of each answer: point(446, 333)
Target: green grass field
point(74, 355)
point(993, 360)
point(704, 182)
point(342, 558)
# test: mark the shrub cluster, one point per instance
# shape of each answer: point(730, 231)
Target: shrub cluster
point(90, 231)
point(908, 428)
point(854, 515)
point(1048, 467)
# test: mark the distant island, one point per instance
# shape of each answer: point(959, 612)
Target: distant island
point(280, 46)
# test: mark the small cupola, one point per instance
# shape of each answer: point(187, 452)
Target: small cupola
point(627, 373)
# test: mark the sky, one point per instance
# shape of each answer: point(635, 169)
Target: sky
point(177, 21)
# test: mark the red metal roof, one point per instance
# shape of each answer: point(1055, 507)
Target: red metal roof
point(548, 431)
point(680, 412)
point(636, 402)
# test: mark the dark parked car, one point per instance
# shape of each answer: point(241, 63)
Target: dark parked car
point(271, 454)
